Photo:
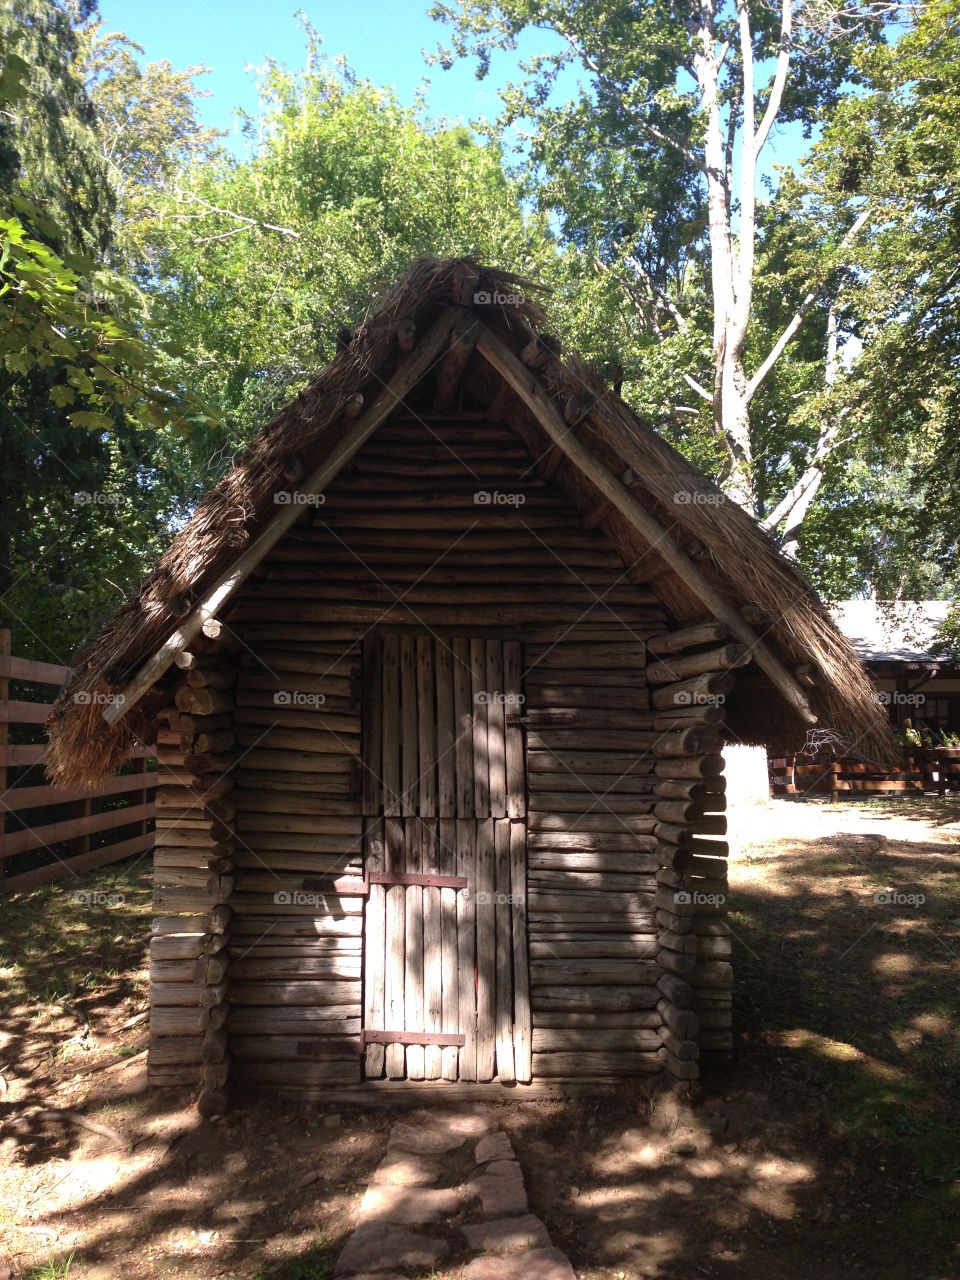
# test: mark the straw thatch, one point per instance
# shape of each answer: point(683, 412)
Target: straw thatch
point(731, 550)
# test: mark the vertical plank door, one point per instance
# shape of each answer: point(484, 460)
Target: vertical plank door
point(446, 972)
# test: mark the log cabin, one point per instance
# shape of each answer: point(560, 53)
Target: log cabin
point(439, 676)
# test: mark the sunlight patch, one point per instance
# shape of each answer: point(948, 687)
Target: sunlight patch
point(838, 1051)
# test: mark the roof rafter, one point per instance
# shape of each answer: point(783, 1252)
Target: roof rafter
point(538, 401)
point(408, 374)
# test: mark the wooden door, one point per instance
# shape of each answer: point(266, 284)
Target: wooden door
point(446, 983)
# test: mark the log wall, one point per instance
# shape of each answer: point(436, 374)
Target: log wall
point(445, 531)
point(194, 879)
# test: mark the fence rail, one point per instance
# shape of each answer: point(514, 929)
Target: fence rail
point(48, 833)
point(926, 769)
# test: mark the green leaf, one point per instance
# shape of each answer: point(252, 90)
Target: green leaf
point(62, 395)
point(91, 420)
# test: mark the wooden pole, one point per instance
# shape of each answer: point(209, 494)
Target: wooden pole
point(529, 389)
point(406, 377)
point(5, 651)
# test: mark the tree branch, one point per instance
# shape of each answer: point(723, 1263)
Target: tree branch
point(776, 351)
point(779, 78)
point(613, 88)
point(240, 217)
point(743, 281)
point(814, 468)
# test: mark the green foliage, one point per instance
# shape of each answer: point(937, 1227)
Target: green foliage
point(259, 263)
point(895, 151)
point(87, 404)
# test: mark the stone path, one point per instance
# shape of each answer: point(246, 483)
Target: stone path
point(448, 1198)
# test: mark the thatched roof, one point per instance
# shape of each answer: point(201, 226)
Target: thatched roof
point(729, 548)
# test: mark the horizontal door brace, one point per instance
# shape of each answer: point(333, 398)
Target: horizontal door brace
point(418, 878)
point(449, 1038)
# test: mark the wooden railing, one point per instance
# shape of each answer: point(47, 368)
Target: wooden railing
point(48, 833)
point(926, 769)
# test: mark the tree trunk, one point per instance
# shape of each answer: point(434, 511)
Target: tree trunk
point(733, 420)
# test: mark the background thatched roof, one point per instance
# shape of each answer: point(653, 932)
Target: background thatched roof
point(731, 550)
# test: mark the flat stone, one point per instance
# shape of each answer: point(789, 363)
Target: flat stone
point(406, 1169)
point(471, 1126)
point(498, 1234)
point(424, 1140)
point(378, 1247)
point(495, 1146)
point(532, 1264)
point(410, 1205)
point(501, 1190)
point(466, 1123)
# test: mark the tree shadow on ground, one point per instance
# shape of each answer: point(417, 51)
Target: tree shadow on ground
point(831, 1148)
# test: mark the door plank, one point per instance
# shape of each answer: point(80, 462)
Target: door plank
point(450, 1008)
point(372, 725)
point(396, 940)
point(446, 731)
point(432, 951)
point(426, 711)
point(496, 743)
point(374, 950)
point(516, 789)
point(409, 743)
point(413, 960)
point(504, 953)
point(463, 710)
point(522, 1019)
point(391, 727)
point(481, 768)
point(486, 951)
point(466, 948)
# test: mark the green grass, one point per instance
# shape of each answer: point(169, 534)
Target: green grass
point(315, 1264)
point(859, 1006)
point(55, 1269)
point(55, 946)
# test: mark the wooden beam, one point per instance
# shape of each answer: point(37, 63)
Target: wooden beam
point(403, 381)
point(462, 341)
point(540, 404)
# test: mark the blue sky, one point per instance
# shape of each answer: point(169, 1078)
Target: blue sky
point(383, 40)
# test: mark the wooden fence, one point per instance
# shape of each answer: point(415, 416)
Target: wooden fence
point(926, 769)
point(47, 833)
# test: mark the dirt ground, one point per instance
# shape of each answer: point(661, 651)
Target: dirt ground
point(831, 1149)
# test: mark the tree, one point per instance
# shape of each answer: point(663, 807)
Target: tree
point(259, 264)
point(675, 112)
point(84, 392)
point(146, 121)
point(893, 149)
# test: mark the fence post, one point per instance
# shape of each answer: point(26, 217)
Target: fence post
point(834, 781)
point(139, 765)
point(5, 651)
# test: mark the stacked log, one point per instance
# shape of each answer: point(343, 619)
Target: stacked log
point(591, 860)
point(296, 933)
point(195, 865)
point(690, 681)
point(419, 532)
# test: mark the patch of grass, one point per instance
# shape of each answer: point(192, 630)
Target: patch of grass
point(315, 1264)
point(55, 1269)
point(862, 1003)
point(57, 943)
